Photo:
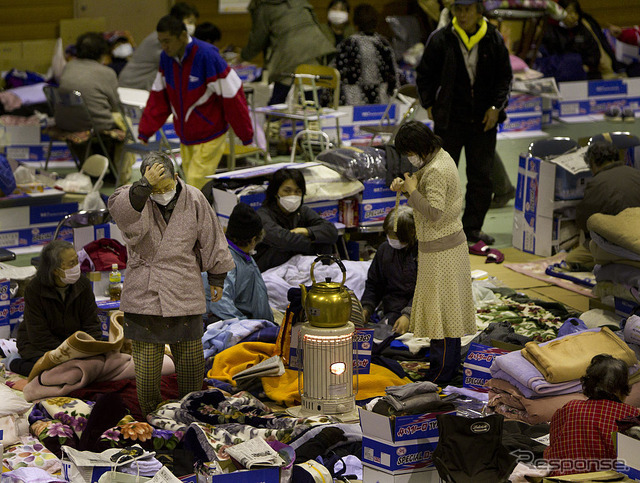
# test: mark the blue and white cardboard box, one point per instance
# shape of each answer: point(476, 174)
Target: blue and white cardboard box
point(32, 236)
point(362, 346)
point(477, 365)
point(403, 443)
point(580, 98)
point(523, 103)
point(527, 121)
point(376, 202)
point(5, 308)
point(372, 474)
point(105, 309)
point(35, 215)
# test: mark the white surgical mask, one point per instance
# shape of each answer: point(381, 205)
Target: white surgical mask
point(415, 161)
point(163, 198)
point(71, 275)
point(290, 203)
point(191, 28)
point(337, 17)
point(397, 244)
point(122, 51)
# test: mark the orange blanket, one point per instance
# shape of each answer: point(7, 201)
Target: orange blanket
point(284, 389)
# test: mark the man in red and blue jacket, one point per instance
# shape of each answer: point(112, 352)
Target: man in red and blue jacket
point(203, 93)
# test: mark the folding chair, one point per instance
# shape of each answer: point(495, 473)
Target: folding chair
point(407, 94)
point(79, 219)
point(620, 139)
point(71, 111)
point(317, 77)
point(552, 147)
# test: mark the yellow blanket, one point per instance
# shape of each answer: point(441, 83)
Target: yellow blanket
point(622, 229)
point(284, 389)
point(567, 358)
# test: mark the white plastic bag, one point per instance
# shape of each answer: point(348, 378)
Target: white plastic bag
point(93, 201)
point(76, 183)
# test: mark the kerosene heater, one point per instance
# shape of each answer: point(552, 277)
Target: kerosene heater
point(325, 349)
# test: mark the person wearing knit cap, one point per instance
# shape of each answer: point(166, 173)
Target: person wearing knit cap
point(245, 294)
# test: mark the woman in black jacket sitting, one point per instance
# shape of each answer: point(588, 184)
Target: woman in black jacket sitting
point(291, 228)
point(58, 302)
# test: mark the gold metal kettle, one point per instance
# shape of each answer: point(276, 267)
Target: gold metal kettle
point(327, 304)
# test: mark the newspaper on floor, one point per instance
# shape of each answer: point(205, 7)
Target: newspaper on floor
point(255, 452)
point(545, 87)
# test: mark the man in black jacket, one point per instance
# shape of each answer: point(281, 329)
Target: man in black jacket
point(464, 79)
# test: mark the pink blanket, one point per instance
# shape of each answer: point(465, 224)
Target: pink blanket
point(78, 373)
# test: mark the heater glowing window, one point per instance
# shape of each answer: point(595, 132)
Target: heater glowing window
point(338, 368)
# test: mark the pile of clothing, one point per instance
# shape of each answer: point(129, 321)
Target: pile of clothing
point(615, 244)
point(531, 384)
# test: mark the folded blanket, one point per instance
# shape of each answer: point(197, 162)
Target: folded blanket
point(75, 374)
point(618, 273)
point(602, 256)
point(513, 367)
point(284, 389)
point(612, 249)
point(622, 229)
point(226, 333)
point(567, 358)
point(81, 345)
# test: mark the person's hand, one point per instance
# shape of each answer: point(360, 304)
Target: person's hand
point(397, 185)
point(615, 30)
point(366, 314)
point(410, 183)
point(216, 293)
point(301, 231)
point(401, 325)
point(154, 174)
point(490, 118)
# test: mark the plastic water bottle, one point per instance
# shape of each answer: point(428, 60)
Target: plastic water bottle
point(115, 283)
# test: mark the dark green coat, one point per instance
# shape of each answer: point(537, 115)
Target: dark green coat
point(48, 321)
point(289, 34)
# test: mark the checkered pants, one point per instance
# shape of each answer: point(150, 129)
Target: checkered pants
point(188, 357)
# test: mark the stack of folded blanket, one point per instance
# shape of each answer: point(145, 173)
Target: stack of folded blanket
point(615, 244)
point(531, 384)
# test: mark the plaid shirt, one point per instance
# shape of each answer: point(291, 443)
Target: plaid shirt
point(581, 432)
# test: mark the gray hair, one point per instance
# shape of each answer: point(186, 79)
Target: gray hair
point(405, 229)
point(158, 157)
point(50, 261)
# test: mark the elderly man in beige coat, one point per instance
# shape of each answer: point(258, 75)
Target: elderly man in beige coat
point(172, 234)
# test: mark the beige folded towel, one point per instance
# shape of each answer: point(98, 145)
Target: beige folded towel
point(567, 358)
point(81, 345)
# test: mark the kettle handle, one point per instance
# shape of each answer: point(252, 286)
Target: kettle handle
point(335, 259)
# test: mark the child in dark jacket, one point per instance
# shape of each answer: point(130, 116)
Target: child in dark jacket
point(392, 275)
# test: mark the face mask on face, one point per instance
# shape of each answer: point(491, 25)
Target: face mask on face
point(191, 28)
point(337, 17)
point(122, 51)
point(71, 275)
point(163, 198)
point(397, 244)
point(415, 160)
point(290, 203)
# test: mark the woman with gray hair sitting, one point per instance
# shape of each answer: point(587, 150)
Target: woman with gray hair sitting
point(58, 302)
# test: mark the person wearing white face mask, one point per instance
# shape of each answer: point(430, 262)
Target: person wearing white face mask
point(291, 228)
point(142, 68)
point(391, 279)
point(338, 26)
point(172, 235)
point(57, 302)
point(442, 307)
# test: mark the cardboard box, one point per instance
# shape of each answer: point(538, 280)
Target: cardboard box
point(38, 152)
point(376, 475)
point(5, 308)
point(524, 103)
point(105, 309)
point(16, 315)
point(362, 346)
point(477, 365)
point(32, 236)
point(34, 215)
point(401, 443)
point(628, 453)
point(400, 456)
point(531, 121)
point(581, 98)
point(260, 475)
point(624, 308)
point(376, 202)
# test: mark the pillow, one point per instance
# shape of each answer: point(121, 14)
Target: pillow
point(11, 403)
point(517, 64)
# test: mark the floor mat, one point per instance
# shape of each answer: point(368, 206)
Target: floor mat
point(536, 269)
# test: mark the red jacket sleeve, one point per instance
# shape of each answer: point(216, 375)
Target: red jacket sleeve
point(157, 109)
